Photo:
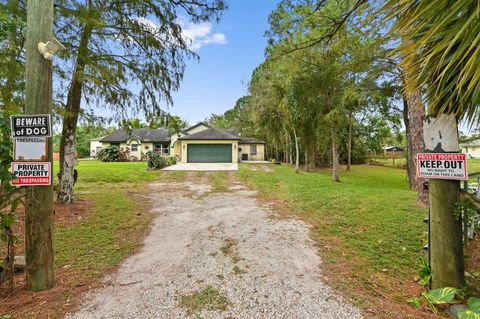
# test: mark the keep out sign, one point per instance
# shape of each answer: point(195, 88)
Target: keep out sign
point(442, 166)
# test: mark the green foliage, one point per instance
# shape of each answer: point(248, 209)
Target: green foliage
point(109, 154)
point(157, 161)
point(425, 273)
point(440, 296)
point(440, 49)
point(318, 91)
point(473, 311)
point(7, 220)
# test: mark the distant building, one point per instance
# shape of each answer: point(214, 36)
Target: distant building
point(394, 151)
point(471, 148)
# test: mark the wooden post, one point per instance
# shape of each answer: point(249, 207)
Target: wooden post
point(39, 199)
point(446, 247)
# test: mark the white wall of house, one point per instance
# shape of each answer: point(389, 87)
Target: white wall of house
point(472, 151)
point(95, 147)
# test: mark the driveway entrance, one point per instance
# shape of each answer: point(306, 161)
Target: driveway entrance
point(203, 167)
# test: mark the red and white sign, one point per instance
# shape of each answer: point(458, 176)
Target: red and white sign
point(31, 173)
point(442, 166)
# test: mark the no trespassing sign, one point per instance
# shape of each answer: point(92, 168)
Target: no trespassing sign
point(442, 166)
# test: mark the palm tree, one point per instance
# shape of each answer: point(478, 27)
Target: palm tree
point(441, 49)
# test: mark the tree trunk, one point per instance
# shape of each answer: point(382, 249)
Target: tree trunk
point(297, 153)
point(335, 163)
point(414, 115)
point(306, 159)
point(68, 159)
point(446, 235)
point(39, 252)
point(349, 145)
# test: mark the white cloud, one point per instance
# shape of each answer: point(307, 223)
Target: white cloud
point(200, 34)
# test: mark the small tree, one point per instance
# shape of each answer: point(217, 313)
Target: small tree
point(110, 46)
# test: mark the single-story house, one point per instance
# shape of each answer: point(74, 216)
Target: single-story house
point(137, 141)
point(471, 148)
point(197, 144)
point(394, 151)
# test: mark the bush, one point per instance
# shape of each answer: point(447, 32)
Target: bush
point(108, 154)
point(157, 161)
point(124, 155)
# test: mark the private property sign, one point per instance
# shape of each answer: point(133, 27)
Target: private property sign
point(442, 166)
point(31, 173)
point(35, 125)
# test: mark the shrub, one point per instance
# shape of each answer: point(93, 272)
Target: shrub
point(108, 154)
point(124, 155)
point(157, 161)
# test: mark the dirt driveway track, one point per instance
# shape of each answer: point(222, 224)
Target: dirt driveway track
point(265, 267)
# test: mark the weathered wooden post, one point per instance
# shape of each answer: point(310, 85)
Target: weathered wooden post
point(446, 247)
point(39, 199)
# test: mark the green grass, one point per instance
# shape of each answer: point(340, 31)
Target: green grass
point(206, 299)
point(117, 222)
point(370, 218)
point(219, 181)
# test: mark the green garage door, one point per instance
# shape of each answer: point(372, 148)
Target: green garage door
point(209, 153)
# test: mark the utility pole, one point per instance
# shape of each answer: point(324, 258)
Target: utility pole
point(446, 246)
point(39, 199)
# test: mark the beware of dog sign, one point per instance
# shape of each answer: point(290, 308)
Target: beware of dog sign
point(442, 166)
point(35, 125)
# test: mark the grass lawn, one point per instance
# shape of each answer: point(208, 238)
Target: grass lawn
point(110, 227)
point(117, 219)
point(368, 228)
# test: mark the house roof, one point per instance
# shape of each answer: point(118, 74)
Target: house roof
point(393, 149)
point(195, 126)
point(145, 135)
point(98, 138)
point(211, 134)
point(251, 140)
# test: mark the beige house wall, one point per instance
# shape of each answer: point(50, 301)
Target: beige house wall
point(260, 156)
point(185, 143)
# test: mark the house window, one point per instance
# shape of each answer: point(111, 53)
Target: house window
point(115, 144)
point(134, 147)
point(253, 149)
point(165, 149)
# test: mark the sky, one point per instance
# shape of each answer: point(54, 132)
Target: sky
point(229, 52)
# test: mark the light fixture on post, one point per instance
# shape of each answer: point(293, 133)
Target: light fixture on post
point(50, 48)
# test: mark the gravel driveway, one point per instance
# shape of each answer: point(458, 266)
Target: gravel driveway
point(203, 241)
